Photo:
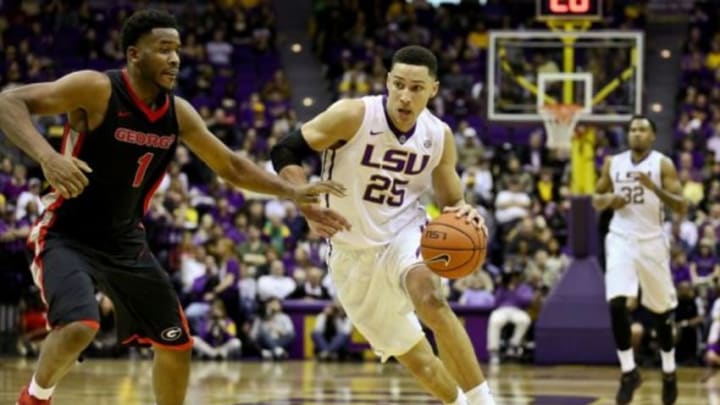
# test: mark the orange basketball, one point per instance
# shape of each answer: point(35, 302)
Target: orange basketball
point(451, 247)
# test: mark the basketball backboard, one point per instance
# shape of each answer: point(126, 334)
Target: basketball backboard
point(598, 70)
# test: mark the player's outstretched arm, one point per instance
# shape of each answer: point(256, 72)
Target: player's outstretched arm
point(239, 170)
point(83, 90)
point(670, 192)
point(604, 197)
point(335, 125)
point(448, 187)
point(332, 127)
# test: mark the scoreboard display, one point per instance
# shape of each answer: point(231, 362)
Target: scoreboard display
point(569, 10)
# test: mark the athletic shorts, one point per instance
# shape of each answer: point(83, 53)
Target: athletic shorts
point(147, 309)
point(634, 264)
point(370, 285)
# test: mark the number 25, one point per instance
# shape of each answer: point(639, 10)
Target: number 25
point(384, 189)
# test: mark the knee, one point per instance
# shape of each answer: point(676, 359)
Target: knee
point(496, 320)
point(79, 334)
point(523, 319)
point(618, 306)
point(432, 308)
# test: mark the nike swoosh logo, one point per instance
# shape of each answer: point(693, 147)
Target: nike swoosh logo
point(444, 258)
point(376, 132)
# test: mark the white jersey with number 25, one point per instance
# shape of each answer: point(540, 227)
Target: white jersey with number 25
point(385, 172)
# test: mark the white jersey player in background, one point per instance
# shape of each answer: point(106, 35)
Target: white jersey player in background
point(388, 151)
point(637, 184)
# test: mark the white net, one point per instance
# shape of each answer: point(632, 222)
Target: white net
point(560, 121)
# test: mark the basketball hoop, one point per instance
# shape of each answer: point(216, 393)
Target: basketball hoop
point(560, 121)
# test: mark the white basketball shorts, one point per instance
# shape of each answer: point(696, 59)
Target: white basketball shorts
point(370, 286)
point(634, 264)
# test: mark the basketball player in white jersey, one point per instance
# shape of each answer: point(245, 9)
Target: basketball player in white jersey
point(387, 151)
point(638, 184)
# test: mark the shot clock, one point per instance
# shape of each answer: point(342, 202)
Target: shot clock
point(588, 10)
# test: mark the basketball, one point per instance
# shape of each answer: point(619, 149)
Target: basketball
point(451, 247)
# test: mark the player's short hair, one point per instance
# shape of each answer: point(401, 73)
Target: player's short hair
point(143, 22)
point(643, 117)
point(416, 55)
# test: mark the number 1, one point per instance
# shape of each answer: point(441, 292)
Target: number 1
point(143, 164)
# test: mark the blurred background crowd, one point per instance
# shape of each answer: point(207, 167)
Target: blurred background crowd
point(236, 258)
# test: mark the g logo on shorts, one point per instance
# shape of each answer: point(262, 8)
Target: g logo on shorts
point(171, 334)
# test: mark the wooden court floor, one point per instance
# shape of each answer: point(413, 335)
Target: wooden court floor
point(128, 382)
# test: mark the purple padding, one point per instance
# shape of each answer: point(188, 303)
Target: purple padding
point(497, 134)
point(574, 323)
point(582, 228)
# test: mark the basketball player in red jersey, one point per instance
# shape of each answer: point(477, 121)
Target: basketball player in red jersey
point(123, 128)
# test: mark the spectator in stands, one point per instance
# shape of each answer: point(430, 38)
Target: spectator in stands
point(681, 231)
point(691, 190)
point(217, 335)
point(679, 266)
point(218, 49)
point(33, 325)
point(6, 172)
point(17, 184)
point(312, 288)
point(247, 287)
point(549, 269)
point(331, 333)
point(32, 194)
point(273, 331)
point(704, 265)
point(511, 204)
point(202, 293)
point(511, 300)
point(252, 251)
point(712, 357)
point(277, 233)
point(478, 291)
point(689, 318)
point(277, 284)
point(534, 157)
point(470, 149)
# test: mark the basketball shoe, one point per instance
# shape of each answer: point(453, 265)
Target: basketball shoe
point(27, 399)
point(669, 388)
point(628, 384)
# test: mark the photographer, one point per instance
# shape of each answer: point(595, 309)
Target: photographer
point(331, 333)
point(217, 335)
point(274, 331)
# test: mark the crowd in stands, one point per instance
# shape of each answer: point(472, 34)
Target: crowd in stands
point(696, 238)
point(235, 257)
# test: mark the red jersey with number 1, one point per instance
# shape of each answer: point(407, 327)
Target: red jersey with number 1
point(129, 153)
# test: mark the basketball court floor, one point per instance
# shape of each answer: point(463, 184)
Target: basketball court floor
point(128, 382)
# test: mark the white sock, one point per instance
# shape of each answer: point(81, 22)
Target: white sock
point(38, 391)
point(461, 399)
point(480, 395)
point(627, 360)
point(668, 361)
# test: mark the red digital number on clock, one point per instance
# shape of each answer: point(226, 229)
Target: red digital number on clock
point(569, 6)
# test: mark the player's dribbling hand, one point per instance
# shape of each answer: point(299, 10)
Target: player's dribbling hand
point(65, 174)
point(472, 216)
point(310, 193)
point(324, 221)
